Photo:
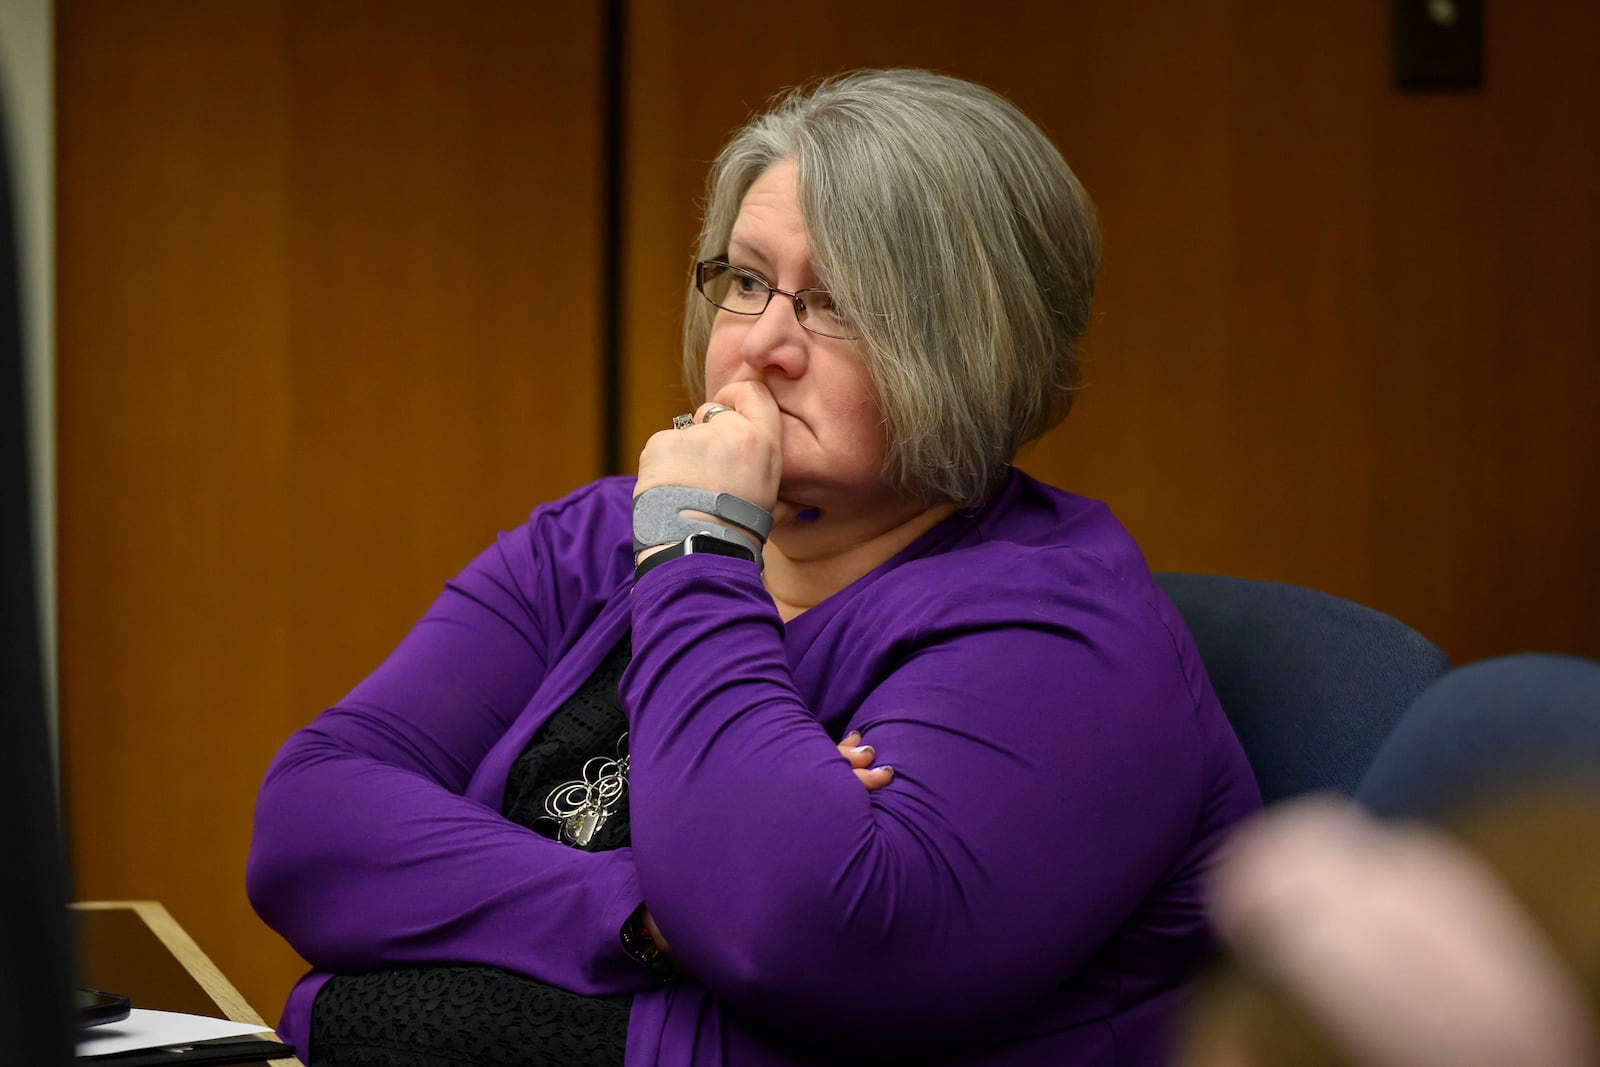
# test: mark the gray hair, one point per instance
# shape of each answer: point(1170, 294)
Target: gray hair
point(960, 243)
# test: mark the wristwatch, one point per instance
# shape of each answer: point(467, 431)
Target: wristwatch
point(699, 541)
point(637, 942)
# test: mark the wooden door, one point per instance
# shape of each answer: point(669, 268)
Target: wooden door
point(328, 320)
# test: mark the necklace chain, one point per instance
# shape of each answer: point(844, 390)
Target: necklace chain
point(583, 805)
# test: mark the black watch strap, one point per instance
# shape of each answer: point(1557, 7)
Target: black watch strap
point(637, 942)
point(699, 541)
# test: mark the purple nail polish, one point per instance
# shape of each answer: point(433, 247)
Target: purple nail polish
point(808, 515)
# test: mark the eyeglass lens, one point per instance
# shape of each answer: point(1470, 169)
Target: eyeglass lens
point(745, 293)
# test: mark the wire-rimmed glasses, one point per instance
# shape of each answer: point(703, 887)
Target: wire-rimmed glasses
point(745, 292)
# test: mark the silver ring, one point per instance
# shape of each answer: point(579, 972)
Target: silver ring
point(682, 422)
point(714, 409)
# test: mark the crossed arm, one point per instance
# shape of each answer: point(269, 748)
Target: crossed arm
point(787, 888)
point(366, 850)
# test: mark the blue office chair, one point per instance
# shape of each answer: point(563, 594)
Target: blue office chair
point(1311, 683)
point(1487, 729)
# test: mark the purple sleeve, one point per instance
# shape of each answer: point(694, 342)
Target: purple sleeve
point(367, 853)
point(1047, 777)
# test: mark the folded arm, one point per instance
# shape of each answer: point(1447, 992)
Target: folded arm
point(1004, 854)
point(367, 853)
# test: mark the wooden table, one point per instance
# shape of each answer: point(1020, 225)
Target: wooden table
point(136, 948)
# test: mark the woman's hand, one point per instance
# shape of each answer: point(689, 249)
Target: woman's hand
point(740, 451)
point(860, 758)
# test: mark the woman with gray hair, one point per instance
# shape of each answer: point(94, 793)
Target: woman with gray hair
point(864, 746)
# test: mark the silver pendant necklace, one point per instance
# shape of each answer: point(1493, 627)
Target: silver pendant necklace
point(582, 806)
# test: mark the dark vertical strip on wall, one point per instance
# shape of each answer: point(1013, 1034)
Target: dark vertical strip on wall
point(613, 152)
point(35, 965)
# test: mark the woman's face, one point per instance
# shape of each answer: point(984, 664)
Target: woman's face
point(833, 435)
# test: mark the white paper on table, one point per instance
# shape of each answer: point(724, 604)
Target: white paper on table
point(158, 1029)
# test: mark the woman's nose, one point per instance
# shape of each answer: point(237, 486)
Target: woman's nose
point(776, 340)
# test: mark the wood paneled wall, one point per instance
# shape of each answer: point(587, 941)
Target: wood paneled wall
point(328, 318)
point(1345, 337)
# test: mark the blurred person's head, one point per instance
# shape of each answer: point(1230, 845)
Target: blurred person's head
point(1356, 943)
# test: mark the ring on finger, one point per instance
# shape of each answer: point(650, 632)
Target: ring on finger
point(714, 410)
point(682, 422)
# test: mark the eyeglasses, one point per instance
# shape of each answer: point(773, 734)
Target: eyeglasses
point(744, 292)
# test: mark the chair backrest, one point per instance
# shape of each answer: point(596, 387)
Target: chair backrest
point(1490, 728)
point(1311, 683)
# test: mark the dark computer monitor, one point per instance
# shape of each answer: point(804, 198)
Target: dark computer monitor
point(35, 953)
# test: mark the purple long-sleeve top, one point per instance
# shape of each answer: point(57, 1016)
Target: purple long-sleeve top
point(1026, 891)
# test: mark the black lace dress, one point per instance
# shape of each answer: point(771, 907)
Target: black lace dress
point(467, 1015)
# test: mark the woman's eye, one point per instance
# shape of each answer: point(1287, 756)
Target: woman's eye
point(823, 301)
point(747, 284)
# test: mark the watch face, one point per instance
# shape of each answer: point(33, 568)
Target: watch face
point(701, 541)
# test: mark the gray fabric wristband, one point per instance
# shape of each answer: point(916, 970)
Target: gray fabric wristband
point(658, 518)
